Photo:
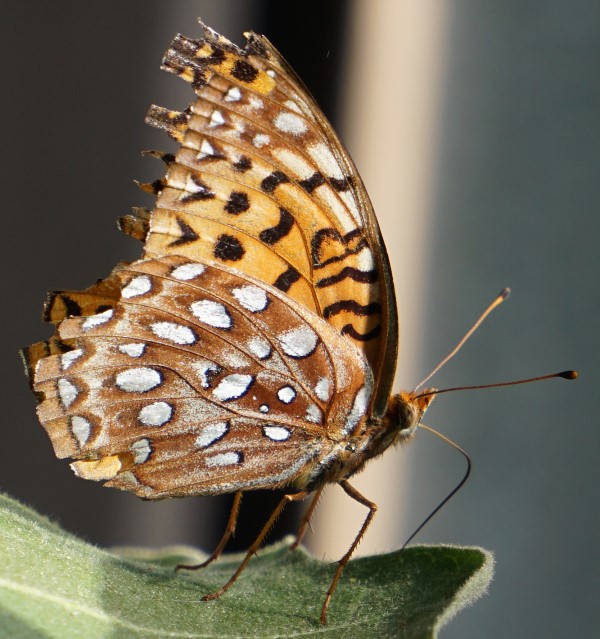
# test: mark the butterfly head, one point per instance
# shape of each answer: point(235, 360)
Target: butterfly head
point(405, 412)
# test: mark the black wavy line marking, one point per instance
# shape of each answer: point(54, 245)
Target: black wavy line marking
point(275, 233)
point(272, 181)
point(350, 305)
point(351, 273)
point(361, 337)
point(331, 233)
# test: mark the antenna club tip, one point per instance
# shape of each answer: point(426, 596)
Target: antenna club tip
point(569, 374)
point(504, 293)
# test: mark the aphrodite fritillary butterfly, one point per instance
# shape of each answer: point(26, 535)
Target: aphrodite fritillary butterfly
point(254, 344)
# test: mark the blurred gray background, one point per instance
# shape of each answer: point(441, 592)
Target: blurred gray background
point(509, 197)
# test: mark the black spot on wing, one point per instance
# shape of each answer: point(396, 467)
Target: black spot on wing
point(243, 164)
point(342, 184)
point(72, 308)
point(216, 57)
point(101, 308)
point(244, 71)
point(313, 182)
point(228, 248)
point(237, 203)
point(286, 279)
point(256, 47)
point(272, 181)
point(155, 187)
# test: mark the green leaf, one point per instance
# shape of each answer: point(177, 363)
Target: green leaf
point(55, 585)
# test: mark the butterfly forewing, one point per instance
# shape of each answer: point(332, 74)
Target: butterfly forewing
point(261, 183)
point(200, 380)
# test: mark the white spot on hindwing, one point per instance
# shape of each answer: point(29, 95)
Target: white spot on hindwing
point(139, 285)
point(224, 459)
point(286, 394)
point(66, 359)
point(96, 320)
point(359, 408)
point(366, 261)
point(141, 450)
point(211, 434)
point(276, 433)
point(234, 358)
point(187, 272)
point(294, 161)
point(299, 342)
point(138, 380)
point(135, 349)
point(173, 332)
point(67, 392)
point(251, 298)
point(211, 313)
point(156, 414)
point(313, 414)
point(259, 347)
point(322, 389)
point(81, 429)
point(205, 371)
point(233, 387)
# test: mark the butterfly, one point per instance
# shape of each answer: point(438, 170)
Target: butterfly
point(253, 345)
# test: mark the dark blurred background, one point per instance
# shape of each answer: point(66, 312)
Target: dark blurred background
point(476, 127)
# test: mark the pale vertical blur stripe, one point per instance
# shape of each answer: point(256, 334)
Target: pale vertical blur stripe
point(395, 68)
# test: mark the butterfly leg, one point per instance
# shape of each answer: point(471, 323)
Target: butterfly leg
point(229, 530)
point(351, 492)
point(306, 518)
point(257, 542)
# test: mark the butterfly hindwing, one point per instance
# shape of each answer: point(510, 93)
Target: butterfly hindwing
point(199, 380)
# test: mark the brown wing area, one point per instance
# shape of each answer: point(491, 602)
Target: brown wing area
point(60, 305)
point(262, 184)
point(199, 380)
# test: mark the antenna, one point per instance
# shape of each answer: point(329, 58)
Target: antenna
point(504, 293)
point(563, 375)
